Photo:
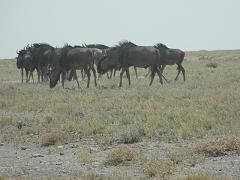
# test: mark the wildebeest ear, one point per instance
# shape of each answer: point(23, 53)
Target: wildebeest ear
point(17, 51)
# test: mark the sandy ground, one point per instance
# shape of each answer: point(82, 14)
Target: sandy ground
point(34, 160)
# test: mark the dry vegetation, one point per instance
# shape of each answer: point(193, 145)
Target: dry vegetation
point(219, 146)
point(204, 110)
point(120, 155)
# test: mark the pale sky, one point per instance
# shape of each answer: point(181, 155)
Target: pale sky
point(183, 24)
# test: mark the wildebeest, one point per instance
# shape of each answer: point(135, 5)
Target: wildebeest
point(170, 57)
point(24, 60)
point(41, 54)
point(127, 54)
point(104, 49)
point(71, 59)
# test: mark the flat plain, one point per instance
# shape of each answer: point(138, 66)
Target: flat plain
point(178, 130)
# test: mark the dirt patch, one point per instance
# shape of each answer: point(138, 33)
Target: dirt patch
point(33, 160)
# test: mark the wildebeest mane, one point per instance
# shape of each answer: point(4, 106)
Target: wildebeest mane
point(98, 46)
point(78, 46)
point(160, 45)
point(66, 45)
point(125, 44)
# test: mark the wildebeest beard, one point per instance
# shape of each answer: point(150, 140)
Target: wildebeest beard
point(54, 77)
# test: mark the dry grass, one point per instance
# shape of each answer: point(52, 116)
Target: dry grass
point(184, 157)
point(83, 154)
point(4, 177)
point(121, 155)
point(83, 175)
point(203, 176)
point(53, 138)
point(204, 104)
point(156, 167)
point(219, 146)
point(212, 65)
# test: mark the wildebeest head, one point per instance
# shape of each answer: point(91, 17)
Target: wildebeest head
point(24, 58)
point(19, 58)
point(55, 69)
point(54, 75)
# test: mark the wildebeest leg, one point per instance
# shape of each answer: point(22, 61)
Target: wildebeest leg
point(38, 74)
point(135, 69)
point(111, 73)
point(149, 70)
point(179, 68)
point(183, 72)
point(41, 69)
point(63, 78)
point(128, 76)
point(152, 75)
point(161, 70)
point(82, 74)
point(27, 78)
point(114, 72)
point(159, 75)
point(95, 76)
point(87, 71)
point(121, 74)
point(30, 73)
point(44, 73)
point(88, 76)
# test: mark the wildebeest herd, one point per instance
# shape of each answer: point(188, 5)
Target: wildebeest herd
point(51, 63)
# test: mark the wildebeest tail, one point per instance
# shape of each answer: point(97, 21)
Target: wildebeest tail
point(181, 58)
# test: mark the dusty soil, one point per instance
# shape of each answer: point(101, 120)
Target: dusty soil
point(34, 160)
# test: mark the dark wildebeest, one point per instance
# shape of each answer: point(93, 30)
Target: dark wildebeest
point(104, 49)
point(72, 59)
point(127, 54)
point(24, 60)
point(41, 54)
point(170, 57)
point(97, 54)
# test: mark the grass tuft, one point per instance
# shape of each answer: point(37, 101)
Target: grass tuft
point(212, 65)
point(156, 167)
point(184, 156)
point(121, 155)
point(83, 154)
point(204, 176)
point(219, 146)
point(53, 138)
